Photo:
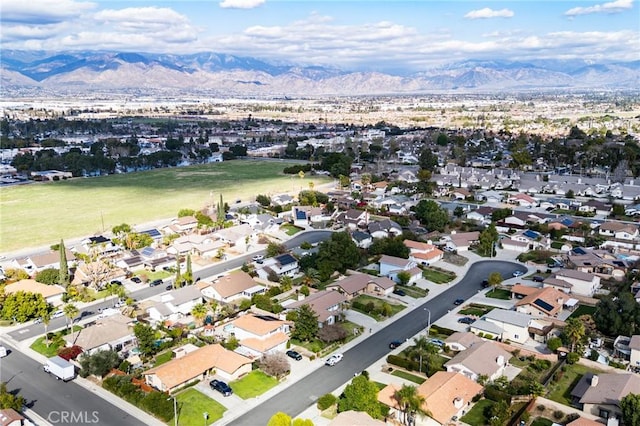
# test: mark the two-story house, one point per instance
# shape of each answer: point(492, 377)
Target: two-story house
point(258, 334)
point(514, 325)
point(282, 265)
point(231, 287)
point(391, 266)
point(175, 304)
point(328, 305)
point(600, 394)
point(423, 253)
point(577, 282)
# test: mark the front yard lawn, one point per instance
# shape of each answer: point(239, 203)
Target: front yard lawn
point(438, 276)
point(583, 310)
point(541, 421)
point(317, 346)
point(476, 309)
point(162, 358)
point(378, 309)
point(475, 416)
point(560, 390)
point(408, 376)
point(413, 291)
point(290, 229)
point(191, 406)
point(55, 343)
point(499, 293)
point(253, 384)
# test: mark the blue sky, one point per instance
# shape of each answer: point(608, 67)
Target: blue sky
point(357, 35)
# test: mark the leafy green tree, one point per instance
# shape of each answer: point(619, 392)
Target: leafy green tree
point(279, 419)
point(630, 406)
point(500, 214)
point(495, 279)
point(48, 276)
point(498, 413)
point(403, 277)
point(428, 160)
point(338, 253)
point(263, 200)
point(10, 399)
point(487, 241)
point(146, 336)
point(361, 395)
point(177, 283)
point(305, 325)
point(22, 306)
point(618, 315)
point(184, 213)
point(554, 343)
point(431, 215)
point(63, 274)
point(274, 249)
point(70, 312)
point(203, 220)
point(411, 403)
point(391, 246)
point(188, 273)
point(99, 363)
point(121, 230)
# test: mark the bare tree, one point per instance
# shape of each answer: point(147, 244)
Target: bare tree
point(275, 364)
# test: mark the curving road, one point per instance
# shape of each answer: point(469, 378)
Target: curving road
point(299, 396)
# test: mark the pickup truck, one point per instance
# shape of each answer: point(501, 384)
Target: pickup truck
point(60, 368)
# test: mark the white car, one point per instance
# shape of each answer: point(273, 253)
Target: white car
point(57, 314)
point(518, 274)
point(3, 351)
point(333, 360)
point(257, 257)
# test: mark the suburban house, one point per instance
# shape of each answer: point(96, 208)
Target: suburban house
point(306, 215)
point(281, 265)
point(184, 224)
point(193, 243)
point(514, 325)
point(354, 219)
point(384, 228)
point(51, 293)
point(460, 341)
point(523, 200)
point(110, 333)
point(175, 304)
point(362, 239)
point(358, 283)
point(351, 418)
point(97, 274)
point(10, 417)
point(423, 253)
point(599, 262)
point(577, 282)
point(483, 358)
point(42, 261)
point(197, 365)
point(541, 302)
point(239, 237)
point(600, 394)
point(390, 266)
point(619, 230)
point(462, 241)
point(446, 395)
point(258, 334)
point(231, 287)
point(634, 347)
point(326, 304)
point(486, 329)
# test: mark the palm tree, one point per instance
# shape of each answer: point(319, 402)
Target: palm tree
point(574, 330)
point(411, 403)
point(46, 319)
point(199, 312)
point(70, 311)
point(423, 347)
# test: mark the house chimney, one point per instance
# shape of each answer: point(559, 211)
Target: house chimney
point(594, 380)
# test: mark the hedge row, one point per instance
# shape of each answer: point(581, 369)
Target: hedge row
point(155, 403)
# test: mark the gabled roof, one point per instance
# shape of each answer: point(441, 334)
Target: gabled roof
point(257, 325)
point(445, 394)
point(547, 299)
point(33, 286)
point(105, 330)
point(233, 283)
point(465, 339)
point(394, 261)
point(320, 302)
point(509, 317)
point(574, 274)
point(610, 388)
point(634, 343)
point(183, 295)
point(481, 358)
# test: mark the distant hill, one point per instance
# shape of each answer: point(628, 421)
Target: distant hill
point(245, 76)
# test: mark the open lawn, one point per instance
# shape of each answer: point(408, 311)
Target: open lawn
point(408, 376)
point(43, 213)
point(541, 421)
point(253, 384)
point(476, 309)
point(289, 229)
point(499, 293)
point(413, 290)
point(438, 276)
point(163, 358)
point(475, 416)
point(560, 390)
point(365, 300)
point(582, 310)
point(191, 406)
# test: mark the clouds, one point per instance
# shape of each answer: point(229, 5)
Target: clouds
point(241, 4)
point(611, 7)
point(43, 12)
point(487, 13)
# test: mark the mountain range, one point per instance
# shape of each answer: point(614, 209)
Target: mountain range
point(222, 74)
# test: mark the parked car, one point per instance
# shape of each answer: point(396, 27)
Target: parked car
point(57, 314)
point(538, 278)
point(169, 287)
point(37, 320)
point(518, 273)
point(3, 351)
point(221, 387)
point(399, 292)
point(485, 283)
point(458, 302)
point(436, 342)
point(295, 355)
point(466, 320)
point(155, 283)
point(333, 360)
point(257, 258)
point(136, 280)
point(395, 344)
point(116, 282)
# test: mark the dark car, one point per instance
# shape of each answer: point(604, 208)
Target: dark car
point(399, 292)
point(116, 282)
point(458, 302)
point(169, 287)
point(538, 278)
point(466, 320)
point(136, 280)
point(221, 387)
point(155, 283)
point(295, 355)
point(395, 344)
point(485, 283)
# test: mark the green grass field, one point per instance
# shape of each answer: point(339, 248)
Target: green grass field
point(43, 213)
point(253, 384)
point(438, 276)
point(408, 376)
point(475, 416)
point(192, 406)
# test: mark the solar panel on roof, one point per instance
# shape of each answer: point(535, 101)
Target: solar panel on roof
point(301, 215)
point(147, 251)
point(154, 233)
point(542, 304)
point(286, 259)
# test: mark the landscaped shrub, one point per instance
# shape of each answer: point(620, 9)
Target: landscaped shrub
point(70, 352)
point(497, 395)
point(573, 357)
point(326, 401)
point(153, 402)
point(158, 404)
point(558, 414)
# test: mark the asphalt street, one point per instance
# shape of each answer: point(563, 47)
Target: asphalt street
point(56, 401)
point(299, 396)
